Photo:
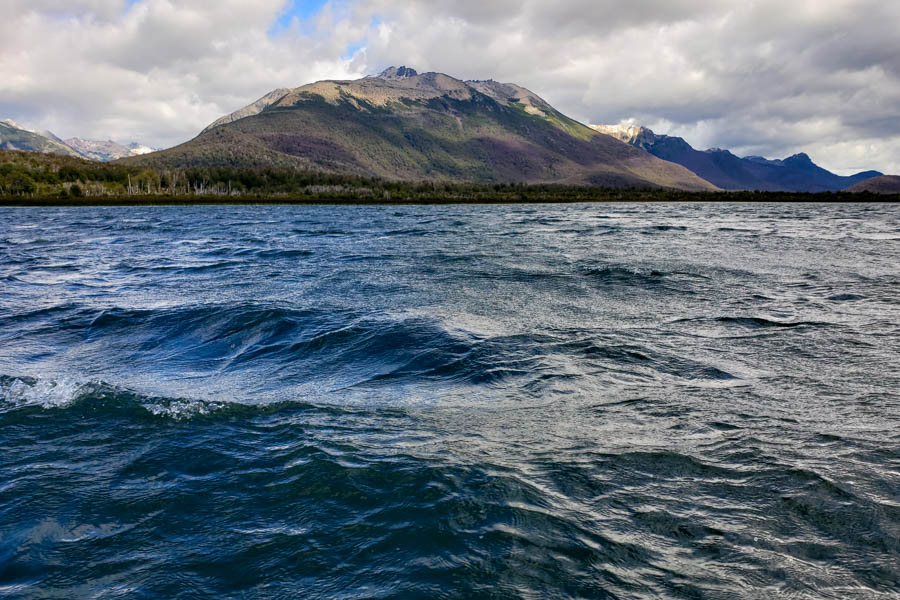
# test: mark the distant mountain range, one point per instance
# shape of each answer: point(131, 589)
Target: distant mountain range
point(16, 137)
point(730, 172)
point(108, 150)
point(402, 125)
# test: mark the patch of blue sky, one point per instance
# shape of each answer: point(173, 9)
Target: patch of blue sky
point(352, 49)
point(302, 10)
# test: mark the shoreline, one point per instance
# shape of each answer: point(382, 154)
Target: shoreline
point(599, 196)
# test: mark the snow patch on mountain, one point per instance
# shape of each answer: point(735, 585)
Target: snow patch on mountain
point(139, 149)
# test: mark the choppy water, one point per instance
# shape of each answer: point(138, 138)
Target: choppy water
point(591, 401)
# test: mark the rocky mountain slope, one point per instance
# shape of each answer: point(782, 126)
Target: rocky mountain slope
point(16, 137)
point(402, 125)
point(794, 174)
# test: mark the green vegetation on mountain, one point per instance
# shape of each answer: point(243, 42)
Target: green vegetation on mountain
point(402, 126)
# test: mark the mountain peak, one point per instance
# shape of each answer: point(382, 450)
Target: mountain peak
point(802, 162)
point(636, 135)
point(800, 158)
point(401, 72)
point(718, 150)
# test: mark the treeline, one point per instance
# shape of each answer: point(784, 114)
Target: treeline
point(32, 175)
point(43, 175)
point(31, 178)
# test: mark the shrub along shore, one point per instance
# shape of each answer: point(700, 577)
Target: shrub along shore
point(31, 179)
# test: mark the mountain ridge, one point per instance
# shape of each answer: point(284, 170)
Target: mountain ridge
point(797, 173)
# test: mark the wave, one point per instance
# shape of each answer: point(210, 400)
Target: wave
point(845, 297)
point(643, 361)
point(276, 253)
point(613, 274)
point(269, 352)
point(754, 323)
point(321, 232)
point(98, 399)
point(652, 228)
point(762, 323)
point(266, 253)
point(643, 279)
point(280, 346)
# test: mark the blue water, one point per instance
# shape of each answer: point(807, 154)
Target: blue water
point(583, 401)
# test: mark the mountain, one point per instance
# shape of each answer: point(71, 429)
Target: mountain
point(402, 125)
point(106, 151)
point(14, 137)
point(794, 174)
point(99, 151)
point(139, 149)
point(885, 184)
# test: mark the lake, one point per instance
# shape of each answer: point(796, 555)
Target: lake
point(505, 401)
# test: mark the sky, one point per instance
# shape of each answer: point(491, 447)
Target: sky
point(761, 77)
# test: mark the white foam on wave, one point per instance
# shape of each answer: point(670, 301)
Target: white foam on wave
point(46, 393)
point(21, 392)
point(181, 408)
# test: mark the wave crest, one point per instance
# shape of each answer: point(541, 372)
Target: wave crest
point(95, 397)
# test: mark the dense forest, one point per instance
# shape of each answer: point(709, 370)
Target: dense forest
point(28, 178)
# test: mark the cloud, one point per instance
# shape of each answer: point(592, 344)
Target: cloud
point(157, 70)
point(765, 77)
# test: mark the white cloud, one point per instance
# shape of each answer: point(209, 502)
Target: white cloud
point(159, 72)
point(764, 77)
point(769, 76)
